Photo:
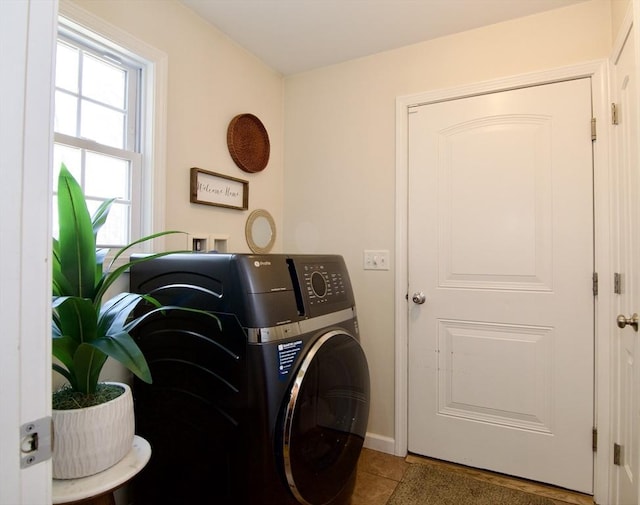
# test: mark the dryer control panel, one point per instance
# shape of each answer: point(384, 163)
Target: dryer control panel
point(323, 282)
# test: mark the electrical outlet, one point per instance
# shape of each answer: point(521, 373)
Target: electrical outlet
point(376, 259)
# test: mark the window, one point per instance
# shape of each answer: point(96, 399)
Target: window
point(98, 126)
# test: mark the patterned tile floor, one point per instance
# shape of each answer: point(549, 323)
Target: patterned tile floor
point(380, 473)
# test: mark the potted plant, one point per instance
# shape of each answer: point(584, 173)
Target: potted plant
point(93, 422)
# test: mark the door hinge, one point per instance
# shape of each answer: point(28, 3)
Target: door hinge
point(617, 454)
point(594, 439)
point(595, 283)
point(35, 442)
point(593, 129)
point(614, 114)
point(617, 283)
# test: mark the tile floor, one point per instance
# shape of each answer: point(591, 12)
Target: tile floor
point(379, 474)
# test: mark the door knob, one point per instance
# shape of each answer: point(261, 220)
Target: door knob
point(418, 298)
point(632, 321)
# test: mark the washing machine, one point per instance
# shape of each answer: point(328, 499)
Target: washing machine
point(263, 400)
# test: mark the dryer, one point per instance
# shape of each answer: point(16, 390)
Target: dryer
point(268, 407)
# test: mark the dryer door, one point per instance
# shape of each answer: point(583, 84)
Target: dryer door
point(325, 419)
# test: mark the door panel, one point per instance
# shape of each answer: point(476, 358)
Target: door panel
point(493, 355)
point(471, 176)
point(626, 257)
point(501, 243)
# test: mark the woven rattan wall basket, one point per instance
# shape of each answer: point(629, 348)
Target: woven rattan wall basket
point(248, 143)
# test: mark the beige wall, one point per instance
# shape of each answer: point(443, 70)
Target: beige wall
point(340, 149)
point(211, 79)
point(618, 11)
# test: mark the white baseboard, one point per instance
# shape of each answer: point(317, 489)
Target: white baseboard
point(379, 443)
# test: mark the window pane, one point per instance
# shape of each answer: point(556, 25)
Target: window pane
point(115, 231)
point(67, 67)
point(103, 125)
point(107, 177)
point(103, 82)
point(65, 120)
point(71, 157)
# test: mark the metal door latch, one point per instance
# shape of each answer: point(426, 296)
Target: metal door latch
point(628, 321)
point(419, 298)
point(35, 442)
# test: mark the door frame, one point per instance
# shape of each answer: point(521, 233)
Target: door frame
point(597, 71)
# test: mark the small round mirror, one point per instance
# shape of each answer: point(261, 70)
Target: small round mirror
point(260, 231)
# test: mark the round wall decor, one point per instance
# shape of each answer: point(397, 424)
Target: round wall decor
point(248, 143)
point(260, 231)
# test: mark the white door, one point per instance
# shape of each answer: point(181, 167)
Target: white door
point(500, 234)
point(626, 258)
point(27, 42)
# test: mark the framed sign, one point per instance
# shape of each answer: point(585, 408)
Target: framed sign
point(210, 188)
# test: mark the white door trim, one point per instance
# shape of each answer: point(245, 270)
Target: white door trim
point(598, 72)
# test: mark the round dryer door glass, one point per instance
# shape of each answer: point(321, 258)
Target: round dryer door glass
point(326, 418)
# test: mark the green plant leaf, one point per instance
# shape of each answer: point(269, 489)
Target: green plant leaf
point(97, 220)
point(110, 277)
point(115, 312)
point(76, 242)
point(101, 255)
point(65, 373)
point(115, 341)
point(75, 322)
point(77, 318)
point(60, 284)
point(64, 348)
point(100, 215)
point(141, 241)
point(88, 362)
point(121, 347)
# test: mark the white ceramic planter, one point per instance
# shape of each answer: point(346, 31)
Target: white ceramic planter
point(90, 440)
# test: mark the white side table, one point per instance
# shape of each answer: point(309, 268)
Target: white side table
point(98, 489)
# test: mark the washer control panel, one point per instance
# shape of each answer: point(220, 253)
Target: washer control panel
point(323, 283)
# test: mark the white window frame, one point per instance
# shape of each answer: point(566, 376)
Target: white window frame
point(86, 41)
point(153, 112)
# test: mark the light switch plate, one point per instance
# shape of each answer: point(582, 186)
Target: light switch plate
point(376, 259)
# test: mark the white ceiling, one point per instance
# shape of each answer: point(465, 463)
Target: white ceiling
point(297, 35)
